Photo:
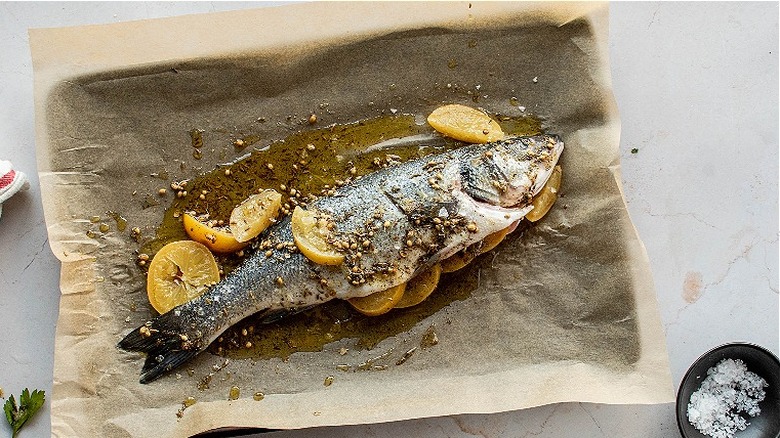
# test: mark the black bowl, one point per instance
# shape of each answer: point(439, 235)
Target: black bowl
point(757, 360)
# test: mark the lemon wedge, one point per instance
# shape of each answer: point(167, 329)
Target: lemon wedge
point(180, 272)
point(420, 287)
point(215, 240)
point(465, 124)
point(311, 233)
point(546, 197)
point(254, 215)
point(380, 302)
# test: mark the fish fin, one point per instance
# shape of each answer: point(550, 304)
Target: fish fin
point(154, 368)
point(166, 344)
point(271, 316)
point(135, 341)
point(476, 186)
point(415, 209)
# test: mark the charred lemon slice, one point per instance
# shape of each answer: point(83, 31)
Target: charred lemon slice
point(492, 240)
point(254, 215)
point(310, 234)
point(420, 287)
point(180, 272)
point(216, 240)
point(465, 124)
point(380, 302)
point(546, 197)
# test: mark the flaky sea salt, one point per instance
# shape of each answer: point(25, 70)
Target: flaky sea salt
point(728, 390)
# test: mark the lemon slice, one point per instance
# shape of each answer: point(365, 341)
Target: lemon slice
point(420, 287)
point(492, 240)
point(458, 260)
point(380, 302)
point(215, 240)
point(546, 197)
point(311, 233)
point(179, 272)
point(465, 124)
point(254, 215)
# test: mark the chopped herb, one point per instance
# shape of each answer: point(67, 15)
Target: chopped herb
point(29, 404)
point(634, 150)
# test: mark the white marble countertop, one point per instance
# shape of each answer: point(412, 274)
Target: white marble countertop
point(697, 89)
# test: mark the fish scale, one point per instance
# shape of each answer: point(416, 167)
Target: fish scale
point(435, 206)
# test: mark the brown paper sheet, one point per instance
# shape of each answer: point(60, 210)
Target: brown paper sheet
point(565, 312)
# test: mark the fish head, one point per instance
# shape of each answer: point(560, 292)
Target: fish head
point(510, 172)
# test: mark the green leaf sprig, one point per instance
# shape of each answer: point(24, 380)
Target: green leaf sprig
point(29, 404)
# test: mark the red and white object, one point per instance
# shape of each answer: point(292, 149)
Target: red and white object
point(11, 181)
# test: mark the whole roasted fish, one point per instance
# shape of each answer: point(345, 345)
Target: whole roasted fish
point(394, 223)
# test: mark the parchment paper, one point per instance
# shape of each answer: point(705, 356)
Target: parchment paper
point(564, 312)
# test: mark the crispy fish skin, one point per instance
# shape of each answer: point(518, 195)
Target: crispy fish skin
point(391, 225)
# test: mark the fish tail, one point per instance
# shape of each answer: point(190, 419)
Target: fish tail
point(166, 344)
point(177, 336)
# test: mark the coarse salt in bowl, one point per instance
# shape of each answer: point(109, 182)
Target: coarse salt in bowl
point(757, 360)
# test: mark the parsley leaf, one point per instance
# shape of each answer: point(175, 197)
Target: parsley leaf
point(29, 404)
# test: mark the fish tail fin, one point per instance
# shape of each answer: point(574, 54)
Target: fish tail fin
point(165, 343)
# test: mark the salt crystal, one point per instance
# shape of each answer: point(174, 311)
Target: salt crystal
point(729, 388)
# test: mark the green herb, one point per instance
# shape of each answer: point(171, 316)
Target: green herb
point(29, 404)
point(634, 150)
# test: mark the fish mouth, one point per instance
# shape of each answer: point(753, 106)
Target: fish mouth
point(543, 155)
point(544, 172)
